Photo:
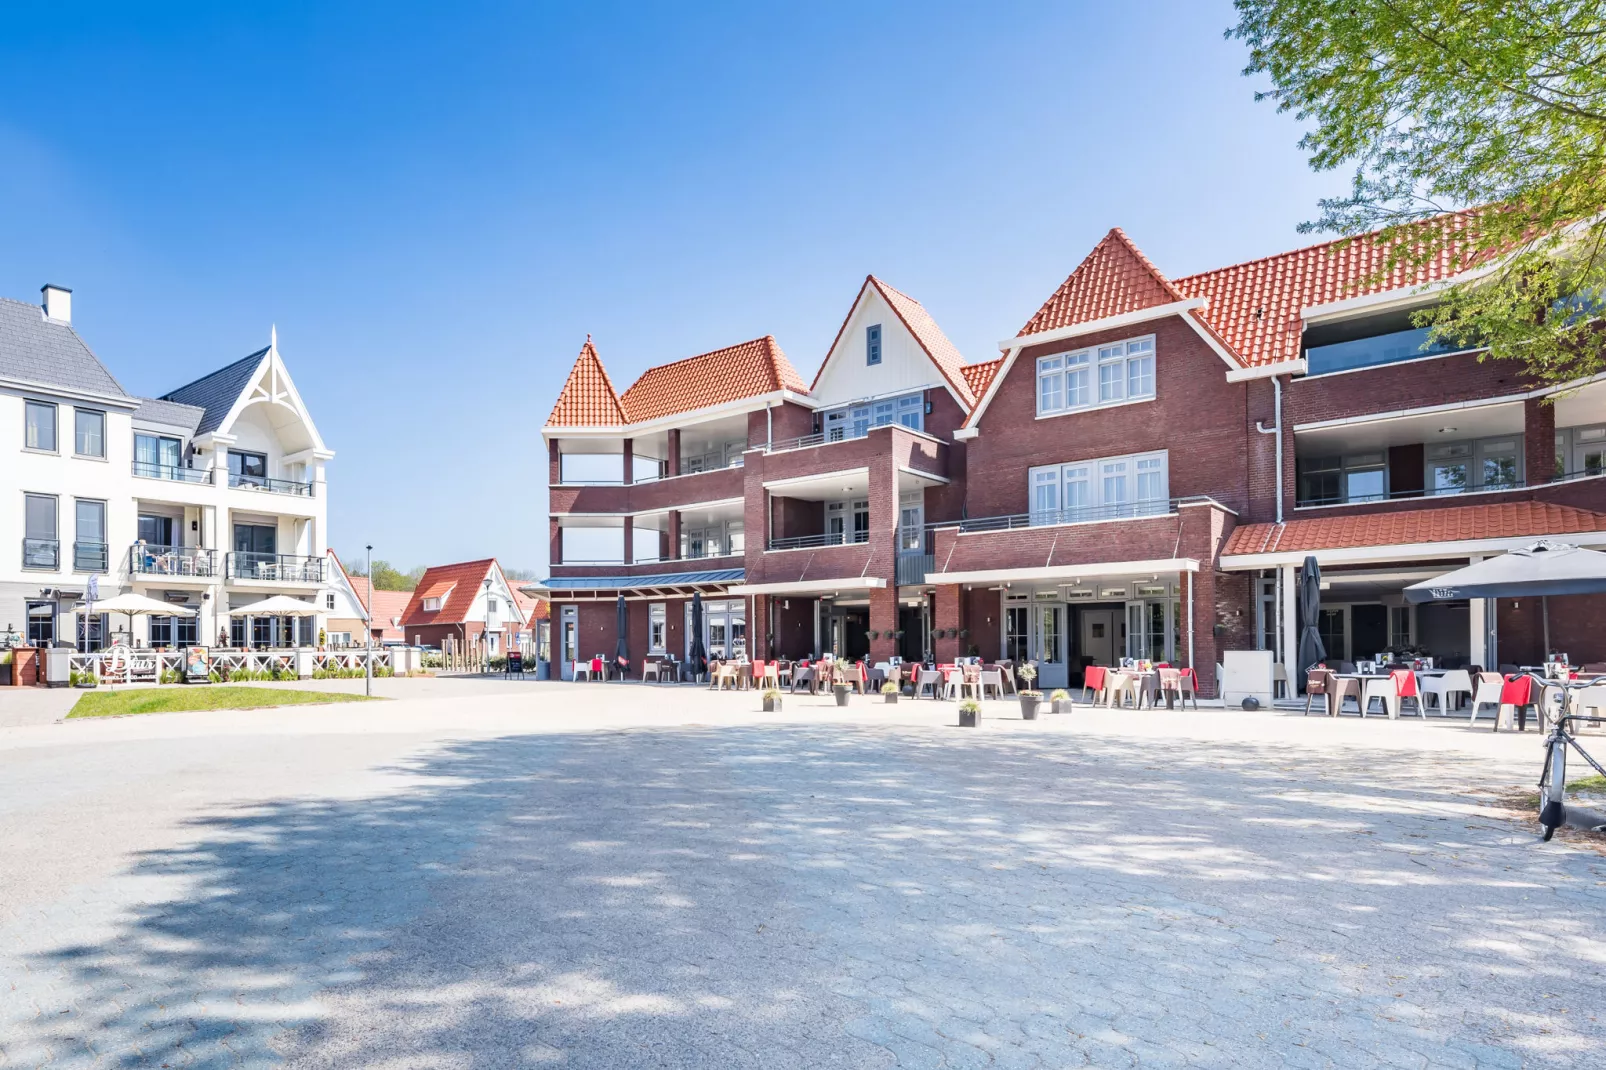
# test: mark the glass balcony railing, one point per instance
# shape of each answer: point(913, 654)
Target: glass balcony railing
point(90, 556)
point(145, 559)
point(290, 568)
point(1379, 349)
point(152, 470)
point(41, 553)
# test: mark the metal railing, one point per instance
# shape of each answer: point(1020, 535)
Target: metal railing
point(713, 461)
point(913, 567)
point(90, 556)
point(41, 553)
point(819, 438)
point(293, 568)
point(145, 559)
point(1084, 514)
point(152, 470)
point(1494, 487)
point(277, 486)
point(801, 542)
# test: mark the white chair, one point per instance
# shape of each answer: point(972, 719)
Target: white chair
point(993, 678)
point(1121, 684)
point(1487, 693)
point(1588, 702)
point(1385, 692)
point(953, 683)
point(929, 678)
point(581, 668)
point(652, 670)
point(1441, 688)
point(1279, 680)
point(729, 672)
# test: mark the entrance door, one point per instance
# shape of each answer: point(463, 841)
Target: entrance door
point(568, 642)
point(1369, 629)
point(1098, 635)
point(1048, 645)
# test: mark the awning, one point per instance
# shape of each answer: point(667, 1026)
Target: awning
point(656, 585)
point(280, 605)
point(1051, 573)
point(1535, 571)
point(808, 587)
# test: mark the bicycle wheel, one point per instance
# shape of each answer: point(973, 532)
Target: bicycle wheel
point(1552, 785)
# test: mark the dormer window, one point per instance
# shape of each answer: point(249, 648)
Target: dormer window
point(872, 344)
point(432, 605)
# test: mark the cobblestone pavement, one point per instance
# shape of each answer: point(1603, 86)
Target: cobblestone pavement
point(432, 892)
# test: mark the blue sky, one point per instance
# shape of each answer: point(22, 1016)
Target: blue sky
point(435, 203)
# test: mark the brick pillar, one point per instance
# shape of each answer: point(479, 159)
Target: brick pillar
point(554, 462)
point(674, 534)
point(629, 462)
point(950, 611)
point(759, 630)
point(1539, 440)
point(630, 538)
point(883, 619)
point(674, 451)
point(555, 547)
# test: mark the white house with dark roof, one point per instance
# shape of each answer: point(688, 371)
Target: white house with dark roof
point(211, 497)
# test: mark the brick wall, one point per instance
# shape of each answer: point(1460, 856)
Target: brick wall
point(1196, 415)
point(1391, 387)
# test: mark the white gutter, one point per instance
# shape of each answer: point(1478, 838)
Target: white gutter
point(31, 386)
point(1264, 371)
point(1108, 323)
point(1096, 570)
point(806, 587)
point(1276, 429)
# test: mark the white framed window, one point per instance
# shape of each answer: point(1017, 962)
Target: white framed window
point(912, 521)
point(1125, 372)
point(89, 433)
point(872, 344)
point(855, 421)
point(1108, 488)
point(40, 426)
point(847, 522)
point(912, 411)
point(432, 605)
point(657, 628)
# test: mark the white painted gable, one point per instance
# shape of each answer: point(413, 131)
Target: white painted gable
point(904, 366)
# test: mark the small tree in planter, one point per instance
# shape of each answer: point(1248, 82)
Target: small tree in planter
point(969, 712)
point(1029, 700)
point(1059, 701)
point(843, 690)
point(772, 700)
point(889, 692)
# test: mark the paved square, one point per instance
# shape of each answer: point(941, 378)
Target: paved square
point(586, 876)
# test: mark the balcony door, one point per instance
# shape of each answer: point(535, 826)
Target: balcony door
point(155, 530)
point(1048, 645)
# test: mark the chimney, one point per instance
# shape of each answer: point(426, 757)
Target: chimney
point(58, 303)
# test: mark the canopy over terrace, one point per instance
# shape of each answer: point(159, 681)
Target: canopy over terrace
point(645, 588)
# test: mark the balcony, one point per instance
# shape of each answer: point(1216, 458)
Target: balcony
point(41, 553)
point(1387, 348)
point(1087, 514)
point(819, 438)
point(152, 470)
point(714, 461)
point(172, 562)
point(913, 567)
point(275, 486)
point(90, 556)
point(274, 568)
point(808, 542)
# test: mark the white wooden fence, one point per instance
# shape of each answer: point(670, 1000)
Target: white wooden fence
point(127, 665)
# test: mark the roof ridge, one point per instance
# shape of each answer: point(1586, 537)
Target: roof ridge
point(1132, 247)
point(696, 356)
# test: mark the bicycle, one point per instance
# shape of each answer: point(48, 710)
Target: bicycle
point(1553, 778)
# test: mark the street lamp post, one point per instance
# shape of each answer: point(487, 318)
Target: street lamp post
point(368, 630)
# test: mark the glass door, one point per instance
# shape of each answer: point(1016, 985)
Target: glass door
point(1048, 646)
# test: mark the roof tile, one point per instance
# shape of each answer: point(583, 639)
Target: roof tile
point(457, 584)
point(744, 370)
point(1113, 279)
point(1508, 520)
point(588, 398)
point(980, 376)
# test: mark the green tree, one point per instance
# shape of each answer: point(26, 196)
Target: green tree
point(388, 577)
point(1491, 109)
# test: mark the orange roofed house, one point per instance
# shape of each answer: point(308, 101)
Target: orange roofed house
point(1140, 473)
point(471, 600)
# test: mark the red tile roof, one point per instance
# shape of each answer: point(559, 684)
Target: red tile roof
point(1509, 520)
point(588, 398)
point(1115, 278)
point(730, 374)
point(533, 609)
point(927, 335)
point(457, 584)
point(1254, 306)
point(388, 605)
point(979, 376)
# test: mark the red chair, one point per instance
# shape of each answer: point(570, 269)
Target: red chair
point(1093, 682)
point(1405, 688)
point(1518, 694)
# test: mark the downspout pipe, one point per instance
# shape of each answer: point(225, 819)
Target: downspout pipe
point(1276, 429)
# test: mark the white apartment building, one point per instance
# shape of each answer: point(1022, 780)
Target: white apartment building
point(210, 497)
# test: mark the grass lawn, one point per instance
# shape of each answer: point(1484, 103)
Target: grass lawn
point(198, 697)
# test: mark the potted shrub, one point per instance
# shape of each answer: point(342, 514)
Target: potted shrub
point(1029, 699)
point(1059, 701)
point(772, 700)
point(79, 678)
point(969, 712)
point(889, 692)
point(873, 634)
point(842, 693)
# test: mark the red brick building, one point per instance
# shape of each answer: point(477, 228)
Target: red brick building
point(1140, 474)
point(471, 600)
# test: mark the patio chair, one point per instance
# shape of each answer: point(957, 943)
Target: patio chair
point(1317, 682)
point(1490, 685)
point(1008, 668)
point(1093, 677)
point(1279, 681)
point(783, 674)
point(1341, 689)
point(1517, 694)
point(1121, 684)
point(579, 669)
point(993, 678)
point(729, 672)
point(1588, 702)
point(1190, 686)
point(929, 678)
point(802, 676)
point(652, 670)
point(1441, 688)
